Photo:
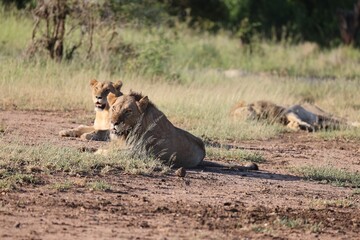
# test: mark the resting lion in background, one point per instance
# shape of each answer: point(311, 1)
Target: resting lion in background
point(137, 119)
point(100, 130)
point(297, 117)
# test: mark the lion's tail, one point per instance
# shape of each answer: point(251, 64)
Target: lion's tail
point(251, 167)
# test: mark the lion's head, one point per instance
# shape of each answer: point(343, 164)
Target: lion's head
point(259, 110)
point(125, 112)
point(100, 91)
point(243, 111)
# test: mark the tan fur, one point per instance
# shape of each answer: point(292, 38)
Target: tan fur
point(135, 117)
point(297, 117)
point(259, 110)
point(100, 130)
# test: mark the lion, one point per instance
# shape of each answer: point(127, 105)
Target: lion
point(100, 130)
point(304, 116)
point(136, 118)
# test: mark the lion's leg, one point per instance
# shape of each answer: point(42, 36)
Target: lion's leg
point(76, 132)
point(97, 135)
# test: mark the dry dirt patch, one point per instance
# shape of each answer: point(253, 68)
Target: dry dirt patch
point(208, 203)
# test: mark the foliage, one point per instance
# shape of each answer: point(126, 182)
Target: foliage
point(51, 23)
point(303, 19)
point(306, 20)
point(20, 4)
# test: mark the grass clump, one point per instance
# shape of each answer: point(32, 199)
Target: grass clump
point(99, 186)
point(350, 133)
point(234, 155)
point(63, 186)
point(330, 175)
point(16, 158)
point(298, 223)
point(340, 203)
point(12, 180)
point(356, 191)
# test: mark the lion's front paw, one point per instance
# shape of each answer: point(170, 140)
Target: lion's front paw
point(65, 133)
point(88, 136)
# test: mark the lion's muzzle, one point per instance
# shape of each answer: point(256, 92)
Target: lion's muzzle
point(119, 129)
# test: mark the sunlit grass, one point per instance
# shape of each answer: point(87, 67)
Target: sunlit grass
point(15, 33)
point(299, 223)
point(63, 186)
point(183, 74)
point(330, 175)
point(21, 164)
point(340, 203)
point(99, 186)
point(350, 133)
point(234, 155)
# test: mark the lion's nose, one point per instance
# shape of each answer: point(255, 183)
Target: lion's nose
point(99, 97)
point(113, 125)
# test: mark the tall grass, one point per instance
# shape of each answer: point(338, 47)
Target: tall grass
point(183, 73)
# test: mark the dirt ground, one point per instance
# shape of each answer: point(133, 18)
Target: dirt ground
point(208, 203)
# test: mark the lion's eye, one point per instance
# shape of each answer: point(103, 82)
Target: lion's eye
point(128, 112)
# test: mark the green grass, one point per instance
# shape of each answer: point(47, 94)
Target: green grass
point(346, 133)
point(10, 180)
point(330, 175)
point(63, 186)
point(340, 203)
point(99, 186)
point(234, 155)
point(21, 165)
point(183, 73)
point(299, 223)
point(356, 191)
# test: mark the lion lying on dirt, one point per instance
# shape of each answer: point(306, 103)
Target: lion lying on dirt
point(100, 130)
point(137, 119)
point(297, 117)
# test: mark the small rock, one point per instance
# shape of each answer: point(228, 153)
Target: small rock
point(144, 224)
point(181, 172)
point(17, 225)
point(252, 166)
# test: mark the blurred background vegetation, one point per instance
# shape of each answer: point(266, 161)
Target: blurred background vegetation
point(298, 20)
point(195, 59)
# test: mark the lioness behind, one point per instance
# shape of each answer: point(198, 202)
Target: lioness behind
point(100, 130)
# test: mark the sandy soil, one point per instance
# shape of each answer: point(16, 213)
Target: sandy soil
point(207, 203)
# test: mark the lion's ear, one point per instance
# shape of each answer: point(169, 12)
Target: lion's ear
point(118, 85)
point(93, 82)
point(111, 98)
point(143, 104)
